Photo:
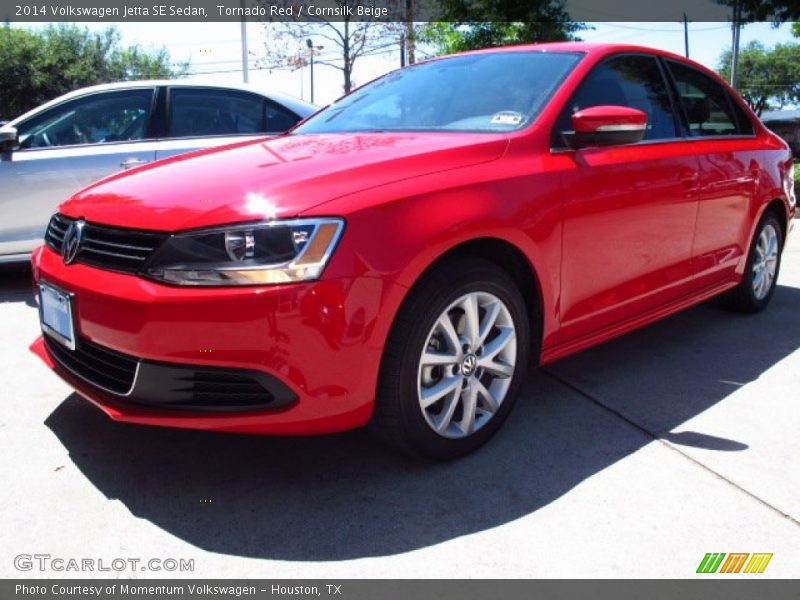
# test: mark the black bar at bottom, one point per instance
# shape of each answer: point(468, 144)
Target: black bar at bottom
point(706, 587)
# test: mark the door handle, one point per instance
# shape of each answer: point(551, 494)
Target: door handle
point(690, 178)
point(129, 163)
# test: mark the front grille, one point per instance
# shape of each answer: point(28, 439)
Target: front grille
point(112, 248)
point(170, 385)
point(54, 237)
point(212, 388)
point(109, 370)
point(189, 387)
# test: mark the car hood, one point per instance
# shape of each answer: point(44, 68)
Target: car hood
point(273, 178)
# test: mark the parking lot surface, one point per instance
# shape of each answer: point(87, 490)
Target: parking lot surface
point(632, 459)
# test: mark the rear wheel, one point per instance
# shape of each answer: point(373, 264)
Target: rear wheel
point(761, 272)
point(454, 361)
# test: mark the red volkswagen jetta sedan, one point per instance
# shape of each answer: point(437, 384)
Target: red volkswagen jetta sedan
point(400, 258)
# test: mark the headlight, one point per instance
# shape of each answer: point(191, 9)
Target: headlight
point(256, 254)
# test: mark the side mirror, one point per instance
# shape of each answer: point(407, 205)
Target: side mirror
point(8, 141)
point(606, 126)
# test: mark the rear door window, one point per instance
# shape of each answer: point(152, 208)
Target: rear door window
point(278, 118)
point(709, 109)
point(202, 112)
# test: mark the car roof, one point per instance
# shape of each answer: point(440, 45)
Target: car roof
point(588, 48)
point(585, 47)
point(300, 107)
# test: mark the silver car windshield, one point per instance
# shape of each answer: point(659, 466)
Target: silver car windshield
point(491, 92)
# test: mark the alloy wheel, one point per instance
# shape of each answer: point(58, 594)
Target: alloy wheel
point(467, 364)
point(765, 263)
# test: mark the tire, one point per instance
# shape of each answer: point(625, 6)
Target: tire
point(411, 413)
point(761, 271)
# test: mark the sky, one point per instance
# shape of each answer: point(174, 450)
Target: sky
point(214, 50)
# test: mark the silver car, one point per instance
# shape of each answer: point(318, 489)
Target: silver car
point(54, 150)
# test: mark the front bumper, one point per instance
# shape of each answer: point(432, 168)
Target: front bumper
point(315, 346)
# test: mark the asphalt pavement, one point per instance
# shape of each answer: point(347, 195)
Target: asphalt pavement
point(632, 459)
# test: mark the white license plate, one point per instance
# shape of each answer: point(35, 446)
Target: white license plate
point(55, 313)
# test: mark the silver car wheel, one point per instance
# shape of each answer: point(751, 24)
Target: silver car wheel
point(466, 365)
point(765, 263)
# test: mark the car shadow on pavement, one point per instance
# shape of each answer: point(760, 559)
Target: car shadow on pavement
point(15, 283)
point(343, 496)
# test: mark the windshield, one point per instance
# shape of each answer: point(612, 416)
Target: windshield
point(492, 92)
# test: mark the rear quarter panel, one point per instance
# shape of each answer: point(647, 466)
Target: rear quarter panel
point(772, 158)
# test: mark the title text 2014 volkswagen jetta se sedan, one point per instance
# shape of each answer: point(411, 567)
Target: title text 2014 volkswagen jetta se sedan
point(400, 258)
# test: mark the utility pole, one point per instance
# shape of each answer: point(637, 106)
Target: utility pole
point(735, 45)
point(245, 74)
point(312, 49)
point(410, 35)
point(686, 34)
point(402, 50)
point(310, 45)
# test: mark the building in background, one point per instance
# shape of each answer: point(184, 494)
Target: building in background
point(786, 123)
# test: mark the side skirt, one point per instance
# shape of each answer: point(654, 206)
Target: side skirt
point(617, 329)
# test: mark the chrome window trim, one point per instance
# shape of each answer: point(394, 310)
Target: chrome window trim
point(94, 145)
point(259, 134)
point(665, 141)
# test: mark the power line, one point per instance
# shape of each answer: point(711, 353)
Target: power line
point(275, 67)
point(679, 30)
point(601, 13)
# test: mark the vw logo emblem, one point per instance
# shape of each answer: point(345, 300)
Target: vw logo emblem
point(468, 365)
point(72, 241)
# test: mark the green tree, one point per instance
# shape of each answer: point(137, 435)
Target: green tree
point(768, 78)
point(474, 24)
point(778, 11)
point(39, 65)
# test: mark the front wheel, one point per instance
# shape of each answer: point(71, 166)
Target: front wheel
point(761, 271)
point(454, 361)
